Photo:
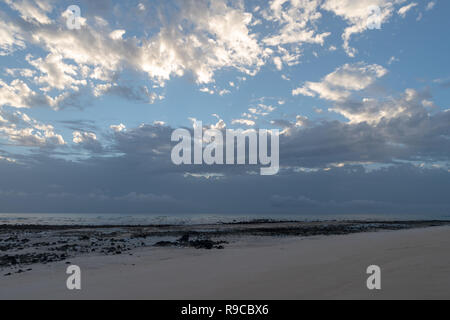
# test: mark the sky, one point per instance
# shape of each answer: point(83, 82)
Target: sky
point(358, 89)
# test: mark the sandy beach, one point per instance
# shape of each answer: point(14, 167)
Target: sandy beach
point(415, 265)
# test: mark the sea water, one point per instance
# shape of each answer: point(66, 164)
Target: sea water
point(187, 219)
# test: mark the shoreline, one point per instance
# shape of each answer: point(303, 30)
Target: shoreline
point(17, 226)
point(24, 246)
point(414, 262)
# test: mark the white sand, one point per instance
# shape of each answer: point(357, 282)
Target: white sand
point(415, 264)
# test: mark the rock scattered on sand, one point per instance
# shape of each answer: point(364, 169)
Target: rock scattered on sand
point(197, 244)
point(23, 245)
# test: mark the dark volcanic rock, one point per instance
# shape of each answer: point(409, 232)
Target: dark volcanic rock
point(207, 244)
point(8, 260)
point(197, 244)
point(184, 238)
point(165, 244)
point(202, 244)
point(30, 258)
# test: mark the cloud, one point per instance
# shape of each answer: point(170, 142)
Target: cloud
point(88, 141)
point(117, 34)
point(410, 134)
point(293, 202)
point(56, 74)
point(296, 20)
point(431, 5)
point(34, 11)
point(133, 93)
point(207, 176)
point(392, 60)
point(20, 72)
point(401, 128)
point(294, 25)
point(80, 125)
point(145, 198)
point(405, 9)
point(373, 111)
point(278, 63)
point(10, 38)
point(220, 125)
point(289, 126)
point(246, 122)
point(60, 186)
point(318, 163)
point(200, 38)
point(358, 14)
point(260, 110)
point(391, 148)
point(340, 84)
point(118, 128)
point(21, 130)
point(18, 94)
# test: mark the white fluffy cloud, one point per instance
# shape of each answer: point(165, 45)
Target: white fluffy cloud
point(246, 122)
point(56, 74)
point(359, 14)
point(260, 110)
point(34, 11)
point(118, 128)
point(340, 84)
point(404, 10)
point(19, 95)
point(81, 137)
point(200, 38)
point(10, 38)
point(278, 63)
point(372, 111)
point(87, 140)
point(21, 130)
point(296, 19)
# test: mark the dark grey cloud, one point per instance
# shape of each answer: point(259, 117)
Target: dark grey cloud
point(80, 125)
point(124, 185)
point(135, 175)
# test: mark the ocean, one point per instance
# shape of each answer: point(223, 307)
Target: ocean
point(186, 219)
